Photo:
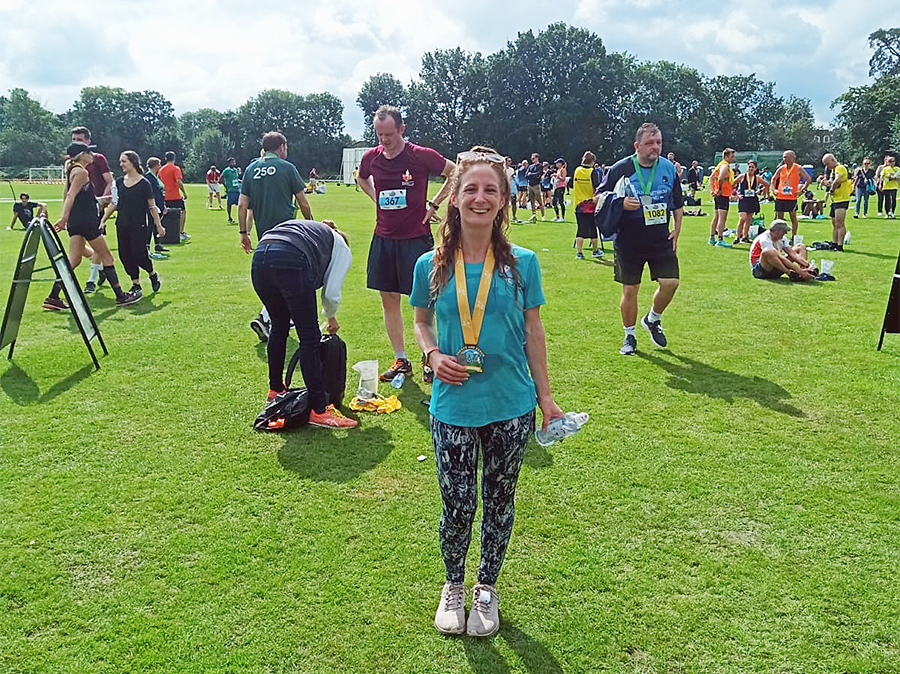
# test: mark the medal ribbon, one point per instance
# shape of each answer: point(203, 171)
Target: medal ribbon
point(646, 187)
point(471, 322)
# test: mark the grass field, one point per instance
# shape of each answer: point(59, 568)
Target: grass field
point(732, 506)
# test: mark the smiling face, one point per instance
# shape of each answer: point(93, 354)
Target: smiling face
point(479, 196)
point(125, 163)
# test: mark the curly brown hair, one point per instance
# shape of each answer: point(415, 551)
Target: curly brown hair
point(445, 252)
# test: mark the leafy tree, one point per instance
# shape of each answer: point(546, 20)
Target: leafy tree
point(30, 134)
point(886, 59)
point(191, 124)
point(447, 104)
point(208, 147)
point(378, 90)
point(867, 113)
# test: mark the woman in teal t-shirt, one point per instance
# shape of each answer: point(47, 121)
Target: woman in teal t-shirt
point(490, 363)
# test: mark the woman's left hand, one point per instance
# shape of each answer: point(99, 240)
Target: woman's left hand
point(549, 410)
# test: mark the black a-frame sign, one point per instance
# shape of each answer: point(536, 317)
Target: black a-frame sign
point(892, 314)
point(40, 230)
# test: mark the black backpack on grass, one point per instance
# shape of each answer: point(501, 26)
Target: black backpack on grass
point(334, 368)
point(289, 409)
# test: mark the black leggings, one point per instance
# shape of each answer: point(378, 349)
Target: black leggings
point(133, 250)
point(890, 201)
point(559, 201)
point(283, 280)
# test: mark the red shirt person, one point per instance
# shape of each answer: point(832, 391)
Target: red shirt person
point(212, 186)
point(395, 176)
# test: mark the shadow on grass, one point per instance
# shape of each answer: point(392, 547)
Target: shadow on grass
point(692, 376)
point(882, 256)
point(411, 394)
point(318, 454)
point(483, 656)
point(23, 390)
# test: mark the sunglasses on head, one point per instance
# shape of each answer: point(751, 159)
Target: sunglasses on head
point(487, 156)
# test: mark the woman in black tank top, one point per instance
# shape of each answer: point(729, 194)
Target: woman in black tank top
point(748, 186)
point(82, 219)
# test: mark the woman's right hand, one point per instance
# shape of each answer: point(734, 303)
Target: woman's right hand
point(447, 369)
point(60, 225)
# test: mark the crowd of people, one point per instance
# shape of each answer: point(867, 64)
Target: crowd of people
point(475, 297)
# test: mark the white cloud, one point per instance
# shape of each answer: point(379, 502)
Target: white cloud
point(205, 53)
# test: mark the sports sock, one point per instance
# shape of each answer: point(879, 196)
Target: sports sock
point(95, 272)
point(113, 279)
point(629, 331)
point(653, 316)
point(400, 354)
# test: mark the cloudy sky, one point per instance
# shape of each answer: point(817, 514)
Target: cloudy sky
point(205, 53)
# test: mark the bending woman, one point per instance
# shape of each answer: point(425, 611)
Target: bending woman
point(135, 202)
point(292, 261)
point(486, 379)
point(82, 220)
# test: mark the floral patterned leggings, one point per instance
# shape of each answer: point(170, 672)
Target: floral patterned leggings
point(502, 446)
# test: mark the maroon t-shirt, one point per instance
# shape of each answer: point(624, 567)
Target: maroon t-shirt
point(401, 188)
point(95, 170)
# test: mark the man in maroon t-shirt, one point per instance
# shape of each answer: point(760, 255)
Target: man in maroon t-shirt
point(395, 176)
point(101, 181)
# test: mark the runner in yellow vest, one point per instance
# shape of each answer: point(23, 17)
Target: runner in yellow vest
point(840, 188)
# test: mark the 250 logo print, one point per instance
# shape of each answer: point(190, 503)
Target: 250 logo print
point(261, 171)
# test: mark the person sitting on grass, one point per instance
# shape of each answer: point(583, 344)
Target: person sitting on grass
point(24, 210)
point(812, 207)
point(770, 257)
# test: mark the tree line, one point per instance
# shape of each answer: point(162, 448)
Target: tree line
point(558, 92)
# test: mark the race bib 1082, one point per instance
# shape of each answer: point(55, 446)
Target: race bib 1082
point(655, 214)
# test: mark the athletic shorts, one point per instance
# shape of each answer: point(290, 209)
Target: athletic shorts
point(89, 232)
point(748, 205)
point(785, 205)
point(534, 192)
point(587, 226)
point(392, 261)
point(522, 188)
point(175, 203)
point(629, 269)
point(761, 272)
point(722, 203)
point(232, 198)
point(839, 205)
point(213, 187)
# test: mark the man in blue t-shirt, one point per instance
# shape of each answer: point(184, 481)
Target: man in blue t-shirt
point(652, 197)
point(533, 175)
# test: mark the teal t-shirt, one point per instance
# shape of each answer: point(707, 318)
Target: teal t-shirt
point(231, 179)
point(505, 390)
point(271, 183)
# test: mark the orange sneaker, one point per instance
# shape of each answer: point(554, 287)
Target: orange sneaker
point(331, 418)
point(272, 395)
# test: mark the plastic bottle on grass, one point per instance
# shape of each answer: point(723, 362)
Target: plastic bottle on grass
point(847, 239)
point(561, 428)
point(397, 381)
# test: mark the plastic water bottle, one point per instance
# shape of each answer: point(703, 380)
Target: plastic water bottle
point(561, 428)
point(397, 381)
point(847, 239)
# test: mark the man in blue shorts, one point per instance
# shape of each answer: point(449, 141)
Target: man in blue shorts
point(231, 178)
point(652, 197)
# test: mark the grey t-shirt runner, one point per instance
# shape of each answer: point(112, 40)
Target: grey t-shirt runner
point(271, 183)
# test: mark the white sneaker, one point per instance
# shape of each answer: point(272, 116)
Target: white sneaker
point(484, 618)
point(451, 612)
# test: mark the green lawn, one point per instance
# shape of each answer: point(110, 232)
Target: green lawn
point(732, 506)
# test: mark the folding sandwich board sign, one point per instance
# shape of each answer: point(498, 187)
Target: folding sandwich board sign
point(892, 314)
point(40, 230)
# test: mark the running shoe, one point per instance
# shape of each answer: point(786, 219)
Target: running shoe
point(722, 243)
point(331, 418)
point(161, 249)
point(127, 298)
point(655, 330)
point(630, 346)
point(158, 256)
point(399, 365)
point(231, 222)
point(484, 618)
point(597, 254)
point(90, 287)
point(712, 241)
point(451, 612)
point(260, 328)
point(579, 256)
point(184, 236)
point(272, 395)
point(55, 304)
point(155, 282)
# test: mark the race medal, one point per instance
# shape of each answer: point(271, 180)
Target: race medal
point(656, 214)
point(470, 356)
point(646, 200)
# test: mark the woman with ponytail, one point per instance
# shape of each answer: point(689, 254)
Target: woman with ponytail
point(489, 358)
point(135, 203)
point(82, 220)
